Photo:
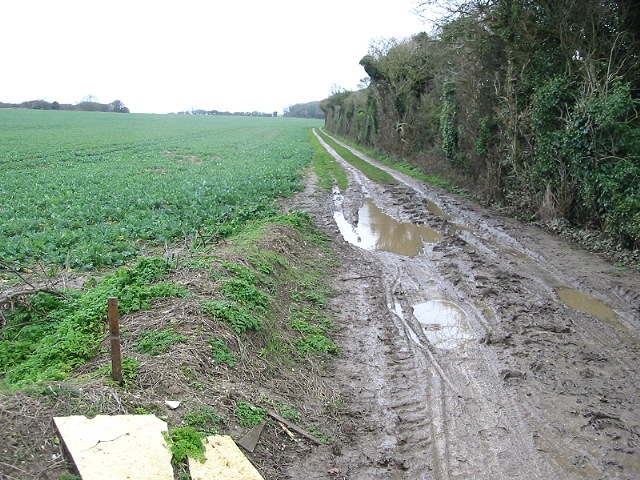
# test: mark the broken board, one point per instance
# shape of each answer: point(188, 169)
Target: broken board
point(120, 446)
point(224, 460)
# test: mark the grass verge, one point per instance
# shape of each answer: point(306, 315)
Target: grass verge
point(372, 172)
point(225, 378)
point(329, 171)
point(405, 167)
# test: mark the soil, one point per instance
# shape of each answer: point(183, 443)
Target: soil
point(533, 388)
point(498, 351)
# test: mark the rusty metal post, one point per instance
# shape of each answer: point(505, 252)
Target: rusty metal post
point(114, 328)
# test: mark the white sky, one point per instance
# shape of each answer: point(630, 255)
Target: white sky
point(159, 56)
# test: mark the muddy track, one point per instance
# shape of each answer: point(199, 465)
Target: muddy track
point(496, 351)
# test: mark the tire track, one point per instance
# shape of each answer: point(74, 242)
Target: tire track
point(475, 428)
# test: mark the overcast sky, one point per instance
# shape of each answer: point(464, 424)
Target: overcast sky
point(159, 56)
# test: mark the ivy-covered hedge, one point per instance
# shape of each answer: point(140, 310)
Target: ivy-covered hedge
point(507, 98)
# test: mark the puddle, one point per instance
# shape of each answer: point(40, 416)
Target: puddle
point(398, 309)
point(444, 323)
point(516, 253)
point(590, 305)
point(436, 210)
point(378, 231)
point(461, 228)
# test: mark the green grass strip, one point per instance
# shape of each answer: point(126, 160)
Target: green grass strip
point(329, 171)
point(372, 172)
point(407, 168)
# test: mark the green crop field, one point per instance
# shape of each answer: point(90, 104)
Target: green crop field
point(86, 190)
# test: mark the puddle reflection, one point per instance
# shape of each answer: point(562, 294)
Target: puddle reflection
point(436, 210)
point(378, 231)
point(590, 305)
point(444, 323)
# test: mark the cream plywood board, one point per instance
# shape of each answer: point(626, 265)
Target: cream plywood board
point(224, 460)
point(120, 446)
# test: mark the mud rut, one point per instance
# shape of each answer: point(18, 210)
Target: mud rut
point(531, 387)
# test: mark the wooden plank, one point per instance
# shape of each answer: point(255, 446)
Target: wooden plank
point(294, 427)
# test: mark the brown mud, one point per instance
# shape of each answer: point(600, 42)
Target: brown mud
point(496, 351)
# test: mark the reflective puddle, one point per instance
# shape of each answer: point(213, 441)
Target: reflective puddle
point(378, 231)
point(444, 323)
point(590, 305)
point(436, 210)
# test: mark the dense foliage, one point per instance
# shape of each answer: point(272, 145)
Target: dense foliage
point(85, 190)
point(535, 103)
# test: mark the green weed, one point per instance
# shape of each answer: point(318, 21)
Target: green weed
point(185, 442)
point(155, 342)
point(205, 420)
point(316, 432)
point(221, 352)
point(288, 412)
point(129, 366)
point(249, 415)
point(246, 294)
point(237, 316)
point(53, 335)
point(315, 343)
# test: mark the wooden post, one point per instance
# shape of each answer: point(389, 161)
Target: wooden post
point(114, 328)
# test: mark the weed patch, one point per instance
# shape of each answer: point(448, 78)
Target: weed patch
point(185, 442)
point(155, 342)
point(237, 316)
point(249, 415)
point(221, 353)
point(52, 335)
point(205, 420)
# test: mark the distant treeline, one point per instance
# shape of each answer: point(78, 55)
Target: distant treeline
point(236, 114)
point(304, 110)
point(86, 106)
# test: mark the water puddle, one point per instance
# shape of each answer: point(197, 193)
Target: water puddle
point(590, 305)
point(398, 309)
point(436, 210)
point(443, 323)
point(378, 231)
point(461, 228)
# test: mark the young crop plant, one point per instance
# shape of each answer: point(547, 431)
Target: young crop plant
point(89, 191)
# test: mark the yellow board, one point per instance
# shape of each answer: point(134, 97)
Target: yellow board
point(224, 460)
